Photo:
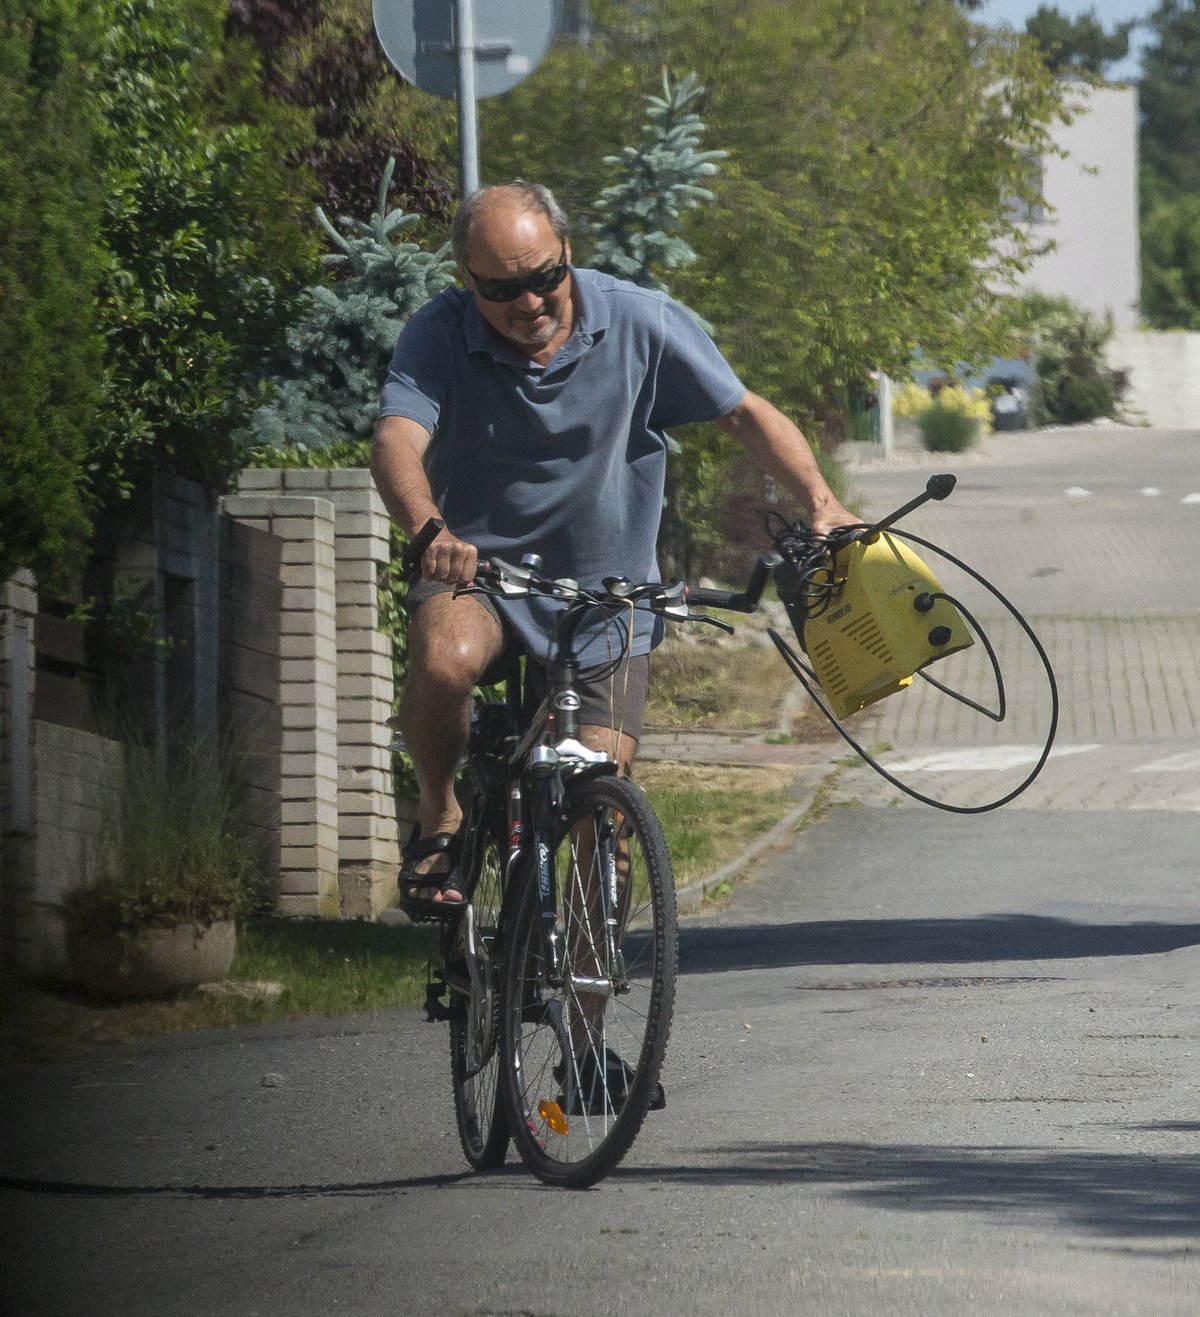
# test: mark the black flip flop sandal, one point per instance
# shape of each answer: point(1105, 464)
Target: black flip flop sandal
point(425, 909)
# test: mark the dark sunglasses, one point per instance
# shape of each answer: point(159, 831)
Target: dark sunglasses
point(508, 290)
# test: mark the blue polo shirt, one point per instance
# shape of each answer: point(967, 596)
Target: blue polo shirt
point(565, 460)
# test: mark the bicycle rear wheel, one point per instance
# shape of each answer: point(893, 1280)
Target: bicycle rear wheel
point(474, 975)
point(581, 1057)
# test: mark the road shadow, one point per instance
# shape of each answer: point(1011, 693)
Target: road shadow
point(1129, 1197)
point(236, 1192)
point(996, 937)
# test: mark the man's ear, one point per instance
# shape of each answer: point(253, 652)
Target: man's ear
point(567, 250)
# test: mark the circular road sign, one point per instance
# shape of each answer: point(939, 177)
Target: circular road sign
point(511, 36)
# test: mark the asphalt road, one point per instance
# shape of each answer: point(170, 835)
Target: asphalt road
point(922, 1063)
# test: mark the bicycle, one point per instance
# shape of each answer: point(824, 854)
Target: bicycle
point(557, 976)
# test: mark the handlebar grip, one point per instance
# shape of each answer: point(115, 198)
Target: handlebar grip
point(758, 579)
point(739, 601)
point(698, 597)
point(421, 541)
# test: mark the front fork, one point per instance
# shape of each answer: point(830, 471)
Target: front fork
point(547, 792)
point(546, 810)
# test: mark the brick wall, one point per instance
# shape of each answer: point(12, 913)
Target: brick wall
point(276, 608)
point(18, 608)
point(76, 774)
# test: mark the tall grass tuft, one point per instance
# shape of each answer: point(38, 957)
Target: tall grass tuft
point(177, 850)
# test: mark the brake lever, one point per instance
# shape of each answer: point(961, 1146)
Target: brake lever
point(712, 621)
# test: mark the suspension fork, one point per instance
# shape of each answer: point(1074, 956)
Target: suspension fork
point(611, 895)
point(546, 788)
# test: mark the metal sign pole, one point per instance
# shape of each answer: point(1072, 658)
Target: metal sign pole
point(468, 128)
point(466, 50)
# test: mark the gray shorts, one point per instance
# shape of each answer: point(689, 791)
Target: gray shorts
point(610, 696)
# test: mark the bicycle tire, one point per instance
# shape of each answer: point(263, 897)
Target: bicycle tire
point(479, 1107)
point(557, 1069)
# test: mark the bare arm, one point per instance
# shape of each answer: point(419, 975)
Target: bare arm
point(777, 445)
point(396, 465)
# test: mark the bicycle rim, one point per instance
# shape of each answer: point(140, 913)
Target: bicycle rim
point(475, 1029)
point(581, 1060)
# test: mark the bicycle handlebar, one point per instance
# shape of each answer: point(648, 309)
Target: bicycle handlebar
point(671, 600)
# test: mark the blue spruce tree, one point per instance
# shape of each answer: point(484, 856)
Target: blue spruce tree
point(340, 346)
point(641, 213)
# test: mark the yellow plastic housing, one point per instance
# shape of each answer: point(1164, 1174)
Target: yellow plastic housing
point(872, 637)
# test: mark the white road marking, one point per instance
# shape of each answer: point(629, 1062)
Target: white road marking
point(1190, 498)
point(982, 759)
point(1077, 491)
point(1186, 762)
point(1150, 492)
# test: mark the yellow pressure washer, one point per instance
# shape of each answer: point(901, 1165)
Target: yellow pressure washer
point(887, 617)
point(870, 615)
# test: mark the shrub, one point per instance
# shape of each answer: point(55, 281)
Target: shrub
point(1073, 383)
point(949, 421)
point(947, 429)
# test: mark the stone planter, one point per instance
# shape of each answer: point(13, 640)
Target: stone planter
point(154, 962)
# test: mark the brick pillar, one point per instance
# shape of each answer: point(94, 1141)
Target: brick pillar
point(308, 853)
point(18, 609)
point(366, 822)
point(368, 851)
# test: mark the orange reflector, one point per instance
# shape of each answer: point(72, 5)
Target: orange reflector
point(552, 1114)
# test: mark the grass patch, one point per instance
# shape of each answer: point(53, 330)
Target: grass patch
point(710, 814)
point(326, 968)
point(716, 685)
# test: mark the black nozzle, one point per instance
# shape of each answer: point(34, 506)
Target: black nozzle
point(940, 487)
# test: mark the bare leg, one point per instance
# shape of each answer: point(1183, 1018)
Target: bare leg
point(450, 644)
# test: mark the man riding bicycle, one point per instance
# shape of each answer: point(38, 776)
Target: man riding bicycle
point(529, 411)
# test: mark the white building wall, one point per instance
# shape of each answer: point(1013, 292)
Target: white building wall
point(1164, 376)
point(1094, 222)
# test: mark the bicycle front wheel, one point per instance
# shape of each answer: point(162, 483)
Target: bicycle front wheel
point(582, 1047)
point(475, 980)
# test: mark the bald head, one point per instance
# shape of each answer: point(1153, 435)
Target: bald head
point(506, 214)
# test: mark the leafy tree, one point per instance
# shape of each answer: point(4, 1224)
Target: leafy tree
point(1074, 383)
point(1169, 97)
point(49, 260)
point(322, 56)
point(189, 302)
point(1170, 178)
point(340, 345)
point(1171, 263)
point(1077, 45)
point(862, 210)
